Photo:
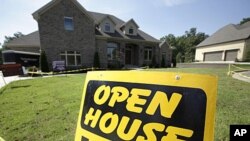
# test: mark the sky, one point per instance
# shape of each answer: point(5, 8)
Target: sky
point(156, 17)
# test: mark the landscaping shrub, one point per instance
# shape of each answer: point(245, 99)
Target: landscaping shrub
point(43, 62)
point(96, 60)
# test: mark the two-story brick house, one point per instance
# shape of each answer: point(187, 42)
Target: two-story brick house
point(67, 31)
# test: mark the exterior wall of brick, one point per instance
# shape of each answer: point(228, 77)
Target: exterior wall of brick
point(55, 39)
point(137, 54)
point(101, 47)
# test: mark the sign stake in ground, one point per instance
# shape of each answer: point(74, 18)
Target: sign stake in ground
point(147, 106)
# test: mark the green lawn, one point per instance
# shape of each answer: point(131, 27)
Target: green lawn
point(47, 108)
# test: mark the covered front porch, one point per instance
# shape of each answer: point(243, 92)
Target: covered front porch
point(130, 55)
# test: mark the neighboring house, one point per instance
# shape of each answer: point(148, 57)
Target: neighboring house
point(230, 43)
point(24, 50)
point(68, 32)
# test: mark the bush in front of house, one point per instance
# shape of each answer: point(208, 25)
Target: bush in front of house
point(96, 60)
point(43, 62)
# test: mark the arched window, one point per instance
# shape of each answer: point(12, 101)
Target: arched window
point(112, 51)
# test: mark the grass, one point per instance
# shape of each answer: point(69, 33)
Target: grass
point(40, 109)
point(47, 109)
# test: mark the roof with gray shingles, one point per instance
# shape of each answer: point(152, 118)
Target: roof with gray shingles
point(119, 23)
point(228, 33)
point(33, 39)
point(30, 40)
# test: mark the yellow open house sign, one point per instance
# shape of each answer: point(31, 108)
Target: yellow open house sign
point(147, 106)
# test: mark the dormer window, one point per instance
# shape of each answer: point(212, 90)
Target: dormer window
point(107, 27)
point(68, 23)
point(131, 30)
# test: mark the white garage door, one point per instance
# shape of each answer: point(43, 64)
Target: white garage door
point(213, 56)
point(231, 55)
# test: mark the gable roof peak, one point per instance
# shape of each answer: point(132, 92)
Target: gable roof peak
point(107, 16)
point(164, 42)
point(52, 3)
point(130, 21)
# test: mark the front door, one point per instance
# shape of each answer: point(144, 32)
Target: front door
point(128, 56)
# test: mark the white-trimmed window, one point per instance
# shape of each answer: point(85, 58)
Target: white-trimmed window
point(107, 27)
point(68, 23)
point(148, 53)
point(131, 30)
point(71, 58)
point(112, 50)
point(163, 55)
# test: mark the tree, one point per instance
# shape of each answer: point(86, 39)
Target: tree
point(96, 60)
point(192, 39)
point(244, 20)
point(185, 45)
point(1, 59)
point(10, 38)
point(43, 62)
point(171, 39)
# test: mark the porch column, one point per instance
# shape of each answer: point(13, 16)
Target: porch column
point(141, 55)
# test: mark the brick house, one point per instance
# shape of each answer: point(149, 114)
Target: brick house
point(67, 31)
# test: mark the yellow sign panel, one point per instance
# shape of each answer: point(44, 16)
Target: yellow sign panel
point(147, 106)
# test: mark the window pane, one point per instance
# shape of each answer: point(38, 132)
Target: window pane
point(145, 55)
point(71, 52)
point(78, 60)
point(131, 31)
point(150, 55)
point(112, 49)
point(107, 27)
point(114, 54)
point(68, 23)
point(63, 58)
point(71, 60)
point(114, 45)
point(110, 53)
point(163, 56)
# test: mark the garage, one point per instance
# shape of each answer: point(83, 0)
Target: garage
point(213, 56)
point(231, 55)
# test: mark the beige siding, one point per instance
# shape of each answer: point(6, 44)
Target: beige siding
point(239, 45)
point(128, 26)
point(112, 25)
point(247, 49)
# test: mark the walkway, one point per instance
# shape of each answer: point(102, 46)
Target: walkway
point(244, 76)
point(6, 80)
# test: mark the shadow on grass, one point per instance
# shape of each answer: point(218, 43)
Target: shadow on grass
point(3, 89)
point(21, 86)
